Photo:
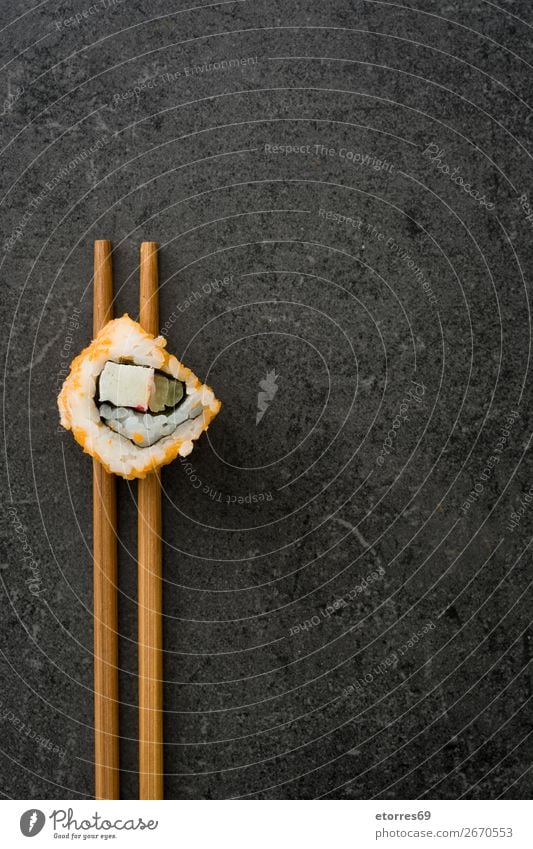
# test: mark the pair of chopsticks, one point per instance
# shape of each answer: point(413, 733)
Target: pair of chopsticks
point(150, 595)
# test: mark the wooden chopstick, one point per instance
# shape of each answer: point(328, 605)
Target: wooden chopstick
point(150, 575)
point(106, 734)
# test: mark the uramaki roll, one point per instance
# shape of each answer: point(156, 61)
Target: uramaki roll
point(130, 404)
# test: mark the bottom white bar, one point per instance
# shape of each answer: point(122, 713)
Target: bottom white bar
point(269, 824)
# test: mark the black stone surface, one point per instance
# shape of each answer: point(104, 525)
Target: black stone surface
point(354, 268)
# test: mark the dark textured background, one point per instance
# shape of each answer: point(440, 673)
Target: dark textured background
point(255, 704)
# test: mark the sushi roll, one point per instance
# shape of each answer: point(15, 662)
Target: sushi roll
point(130, 404)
